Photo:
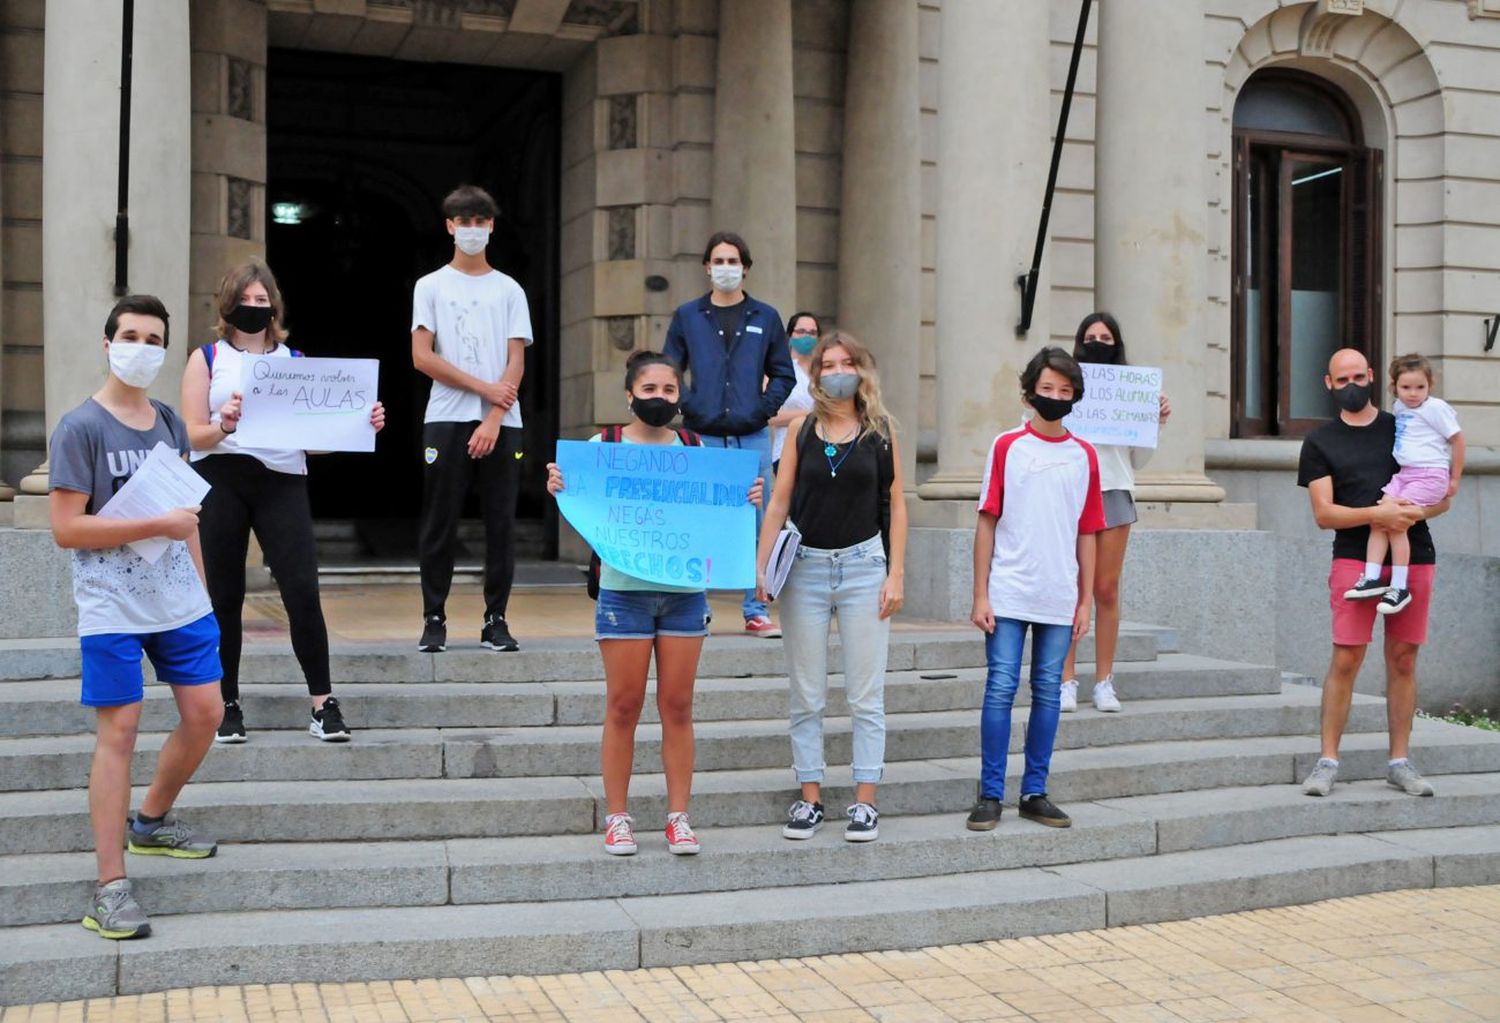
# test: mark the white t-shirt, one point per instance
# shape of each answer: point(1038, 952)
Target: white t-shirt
point(472, 320)
point(1423, 434)
point(800, 400)
point(226, 376)
point(1045, 492)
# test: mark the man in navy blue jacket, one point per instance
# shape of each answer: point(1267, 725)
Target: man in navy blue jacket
point(739, 372)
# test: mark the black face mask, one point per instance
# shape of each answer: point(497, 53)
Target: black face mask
point(1352, 397)
point(249, 319)
point(654, 411)
point(1051, 409)
point(1100, 351)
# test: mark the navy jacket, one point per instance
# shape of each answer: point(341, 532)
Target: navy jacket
point(725, 396)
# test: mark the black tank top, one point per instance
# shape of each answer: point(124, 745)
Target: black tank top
point(837, 500)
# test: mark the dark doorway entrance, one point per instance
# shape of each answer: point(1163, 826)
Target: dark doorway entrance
point(361, 151)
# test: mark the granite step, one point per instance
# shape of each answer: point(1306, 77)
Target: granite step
point(280, 811)
point(51, 707)
point(284, 946)
point(51, 889)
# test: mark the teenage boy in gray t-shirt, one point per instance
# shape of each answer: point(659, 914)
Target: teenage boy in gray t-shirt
point(129, 607)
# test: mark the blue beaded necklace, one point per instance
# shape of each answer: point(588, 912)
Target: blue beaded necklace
point(830, 449)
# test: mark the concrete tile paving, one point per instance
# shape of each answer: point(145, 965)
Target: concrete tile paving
point(1429, 954)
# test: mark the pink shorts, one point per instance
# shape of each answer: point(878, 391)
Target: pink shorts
point(1354, 620)
point(1425, 487)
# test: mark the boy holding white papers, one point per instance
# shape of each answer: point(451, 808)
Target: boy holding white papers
point(128, 606)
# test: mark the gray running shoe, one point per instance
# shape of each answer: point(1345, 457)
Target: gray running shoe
point(1320, 781)
point(171, 838)
point(1406, 778)
point(115, 914)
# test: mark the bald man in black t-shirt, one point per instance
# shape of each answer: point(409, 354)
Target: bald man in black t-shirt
point(1344, 464)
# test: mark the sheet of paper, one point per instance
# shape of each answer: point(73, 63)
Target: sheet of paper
point(163, 482)
point(308, 404)
point(1119, 405)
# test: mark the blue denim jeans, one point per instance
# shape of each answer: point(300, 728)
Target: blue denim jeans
point(1002, 648)
point(759, 442)
point(822, 584)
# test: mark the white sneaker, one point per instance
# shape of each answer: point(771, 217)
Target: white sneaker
point(1104, 696)
point(1069, 696)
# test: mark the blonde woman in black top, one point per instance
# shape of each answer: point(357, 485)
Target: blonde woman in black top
point(839, 483)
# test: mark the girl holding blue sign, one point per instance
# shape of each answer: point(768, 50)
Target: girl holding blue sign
point(256, 489)
point(1099, 340)
point(636, 619)
point(839, 487)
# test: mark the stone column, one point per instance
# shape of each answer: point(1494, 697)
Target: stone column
point(755, 166)
point(994, 129)
point(1150, 218)
point(880, 221)
point(80, 131)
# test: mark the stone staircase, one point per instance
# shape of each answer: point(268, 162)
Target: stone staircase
point(457, 834)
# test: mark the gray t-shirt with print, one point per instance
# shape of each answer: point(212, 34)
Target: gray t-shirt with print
point(116, 589)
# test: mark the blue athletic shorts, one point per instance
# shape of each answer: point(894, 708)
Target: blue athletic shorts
point(646, 614)
point(187, 656)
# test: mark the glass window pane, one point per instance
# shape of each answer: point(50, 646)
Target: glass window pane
point(1278, 105)
point(1252, 368)
point(1317, 276)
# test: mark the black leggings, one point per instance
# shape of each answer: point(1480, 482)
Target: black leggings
point(245, 496)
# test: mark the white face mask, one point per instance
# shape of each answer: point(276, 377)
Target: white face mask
point(726, 277)
point(471, 240)
point(136, 364)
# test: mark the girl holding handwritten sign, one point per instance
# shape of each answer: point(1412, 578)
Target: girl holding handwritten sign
point(840, 483)
point(256, 489)
point(1099, 340)
point(635, 619)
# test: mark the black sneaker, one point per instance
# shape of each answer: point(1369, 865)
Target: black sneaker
point(434, 635)
point(328, 723)
point(232, 728)
point(863, 823)
point(802, 820)
point(1394, 601)
point(496, 636)
point(1365, 589)
point(1041, 810)
point(985, 816)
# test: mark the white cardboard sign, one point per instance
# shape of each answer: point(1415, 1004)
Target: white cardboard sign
point(1121, 405)
point(308, 404)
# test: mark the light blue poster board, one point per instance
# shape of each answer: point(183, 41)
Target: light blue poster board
point(678, 516)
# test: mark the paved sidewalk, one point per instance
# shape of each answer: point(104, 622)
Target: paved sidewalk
point(1427, 955)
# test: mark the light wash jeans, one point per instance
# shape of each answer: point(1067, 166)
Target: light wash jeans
point(1002, 648)
point(822, 584)
point(759, 442)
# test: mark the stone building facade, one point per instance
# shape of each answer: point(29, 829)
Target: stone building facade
point(886, 160)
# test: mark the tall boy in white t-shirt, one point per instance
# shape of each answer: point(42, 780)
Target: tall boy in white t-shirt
point(469, 331)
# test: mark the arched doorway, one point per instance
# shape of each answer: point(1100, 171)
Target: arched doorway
point(1307, 252)
point(360, 152)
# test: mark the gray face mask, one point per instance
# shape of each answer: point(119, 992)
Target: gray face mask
point(839, 386)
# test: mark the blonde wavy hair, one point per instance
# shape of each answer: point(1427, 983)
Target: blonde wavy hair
point(873, 417)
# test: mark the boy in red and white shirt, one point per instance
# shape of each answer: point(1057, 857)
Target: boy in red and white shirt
point(1039, 509)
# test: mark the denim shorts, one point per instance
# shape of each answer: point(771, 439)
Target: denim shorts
point(186, 656)
point(646, 614)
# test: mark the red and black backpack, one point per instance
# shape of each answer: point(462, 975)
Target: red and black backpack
point(613, 435)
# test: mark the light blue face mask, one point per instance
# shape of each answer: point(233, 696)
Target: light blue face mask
point(803, 344)
point(839, 386)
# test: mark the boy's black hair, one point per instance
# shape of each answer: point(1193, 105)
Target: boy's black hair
point(719, 238)
point(644, 357)
point(1114, 330)
point(1056, 359)
point(469, 201)
point(141, 305)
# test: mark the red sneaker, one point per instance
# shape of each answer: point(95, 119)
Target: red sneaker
point(763, 627)
point(680, 838)
point(619, 835)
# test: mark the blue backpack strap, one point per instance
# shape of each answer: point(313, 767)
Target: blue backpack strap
point(208, 355)
point(295, 353)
